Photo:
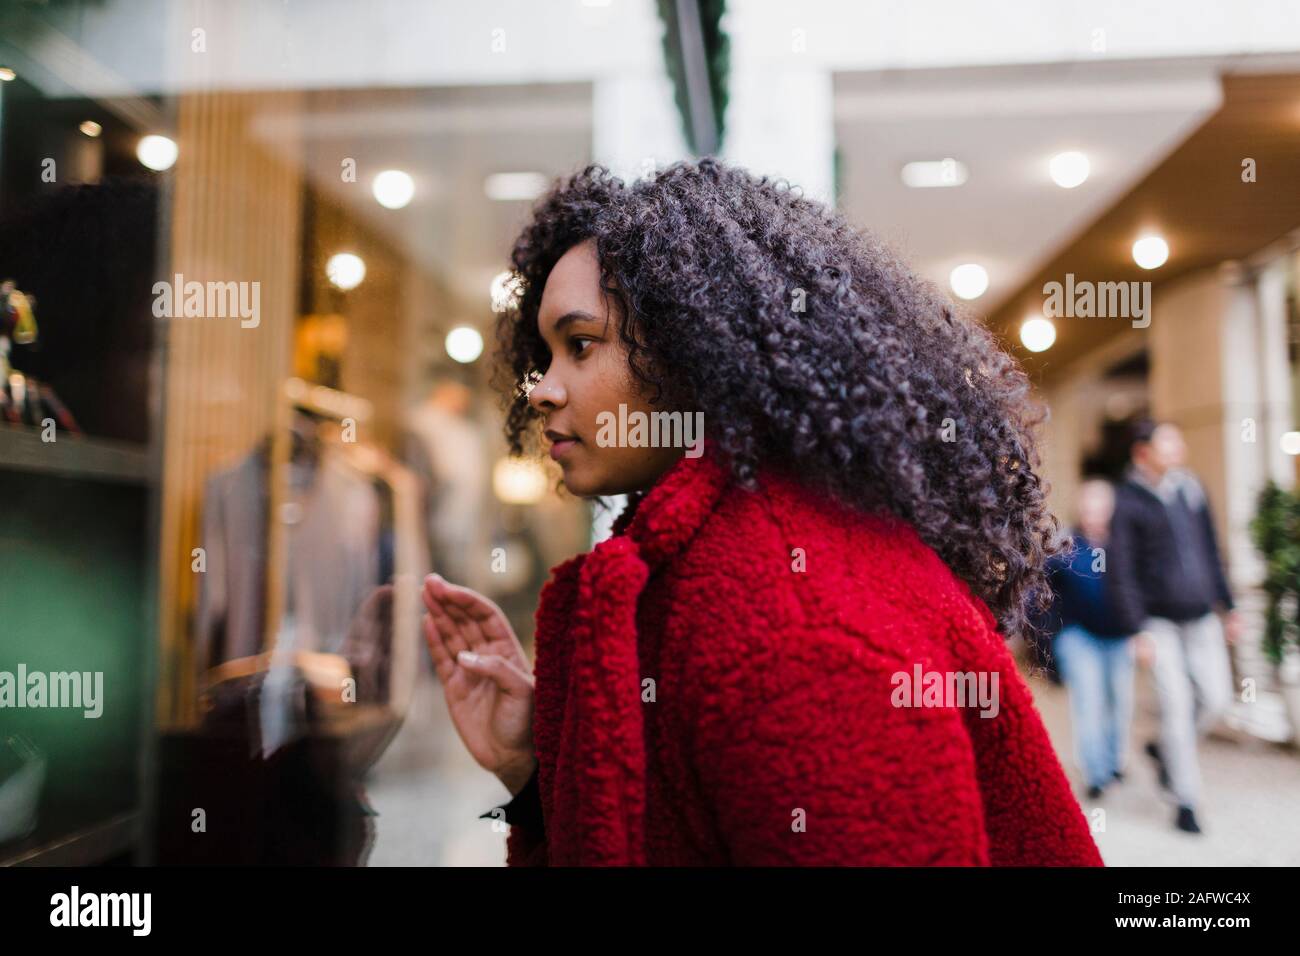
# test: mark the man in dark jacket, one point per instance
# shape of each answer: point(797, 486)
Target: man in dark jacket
point(1167, 581)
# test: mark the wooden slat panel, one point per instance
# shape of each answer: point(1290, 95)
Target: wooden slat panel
point(235, 217)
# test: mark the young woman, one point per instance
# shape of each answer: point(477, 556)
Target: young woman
point(789, 650)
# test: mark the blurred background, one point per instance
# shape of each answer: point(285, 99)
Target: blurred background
point(253, 251)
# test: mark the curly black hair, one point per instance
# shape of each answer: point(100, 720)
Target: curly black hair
point(803, 339)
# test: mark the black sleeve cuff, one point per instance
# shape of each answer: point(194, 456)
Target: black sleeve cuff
point(524, 809)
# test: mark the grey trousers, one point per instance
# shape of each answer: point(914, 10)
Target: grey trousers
point(1193, 681)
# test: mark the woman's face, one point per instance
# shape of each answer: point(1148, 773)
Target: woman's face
point(588, 375)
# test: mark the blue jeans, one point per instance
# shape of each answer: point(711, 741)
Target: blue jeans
point(1098, 671)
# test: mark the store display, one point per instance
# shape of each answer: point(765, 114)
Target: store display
point(303, 665)
point(25, 400)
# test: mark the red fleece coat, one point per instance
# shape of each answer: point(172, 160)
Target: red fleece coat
point(715, 684)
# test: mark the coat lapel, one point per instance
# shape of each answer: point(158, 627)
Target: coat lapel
point(588, 729)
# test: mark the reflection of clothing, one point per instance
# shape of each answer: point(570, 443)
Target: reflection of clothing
point(452, 451)
point(332, 549)
point(301, 804)
point(334, 552)
point(1164, 556)
point(1099, 674)
point(772, 736)
point(1193, 678)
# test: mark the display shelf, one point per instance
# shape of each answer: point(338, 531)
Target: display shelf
point(98, 459)
point(84, 846)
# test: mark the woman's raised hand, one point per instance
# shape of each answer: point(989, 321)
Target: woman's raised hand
point(486, 679)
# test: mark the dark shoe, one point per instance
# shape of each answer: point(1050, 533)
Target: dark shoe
point(1153, 751)
point(1094, 793)
point(1186, 821)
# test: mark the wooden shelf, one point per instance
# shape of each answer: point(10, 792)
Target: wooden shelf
point(98, 459)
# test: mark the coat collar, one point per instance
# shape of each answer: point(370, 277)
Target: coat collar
point(662, 520)
point(588, 725)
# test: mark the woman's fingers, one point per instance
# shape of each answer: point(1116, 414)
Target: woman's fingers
point(506, 675)
point(480, 619)
point(443, 662)
point(451, 632)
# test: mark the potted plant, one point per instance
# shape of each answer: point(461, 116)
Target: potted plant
point(1276, 533)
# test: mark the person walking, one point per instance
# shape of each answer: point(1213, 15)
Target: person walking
point(1093, 648)
point(1168, 583)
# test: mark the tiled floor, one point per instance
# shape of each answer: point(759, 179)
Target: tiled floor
point(429, 792)
point(1251, 810)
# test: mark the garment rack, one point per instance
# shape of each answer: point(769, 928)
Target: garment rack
point(325, 402)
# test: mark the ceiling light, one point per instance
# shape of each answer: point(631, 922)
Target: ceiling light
point(1151, 252)
point(1037, 334)
point(393, 188)
point(969, 281)
point(157, 152)
point(1069, 169)
point(345, 270)
point(91, 128)
point(464, 344)
point(1291, 443)
point(7, 74)
point(932, 174)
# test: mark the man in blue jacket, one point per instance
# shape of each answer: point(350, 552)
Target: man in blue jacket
point(1167, 581)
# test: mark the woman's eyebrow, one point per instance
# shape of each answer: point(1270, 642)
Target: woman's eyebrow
point(577, 315)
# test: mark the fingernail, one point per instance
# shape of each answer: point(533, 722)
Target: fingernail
point(467, 657)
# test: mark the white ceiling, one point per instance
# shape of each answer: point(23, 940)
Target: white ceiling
point(1004, 124)
point(449, 140)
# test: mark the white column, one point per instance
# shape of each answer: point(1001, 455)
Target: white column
point(782, 125)
point(1205, 355)
point(1277, 416)
point(635, 127)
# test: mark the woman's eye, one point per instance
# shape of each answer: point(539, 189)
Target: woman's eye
point(577, 344)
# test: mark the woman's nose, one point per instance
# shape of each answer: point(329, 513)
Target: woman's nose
point(547, 394)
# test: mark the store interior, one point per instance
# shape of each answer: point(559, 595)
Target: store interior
point(235, 510)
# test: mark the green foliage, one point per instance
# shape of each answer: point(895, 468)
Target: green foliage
point(717, 56)
point(1276, 533)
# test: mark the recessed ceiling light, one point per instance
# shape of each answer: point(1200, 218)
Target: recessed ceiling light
point(969, 281)
point(345, 270)
point(1069, 169)
point(464, 344)
point(91, 128)
point(505, 187)
point(1037, 334)
point(7, 74)
point(157, 152)
point(931, 174)
point(1151, 252)
point(393, 188)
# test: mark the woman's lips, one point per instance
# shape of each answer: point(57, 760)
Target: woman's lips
point(561, 446)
